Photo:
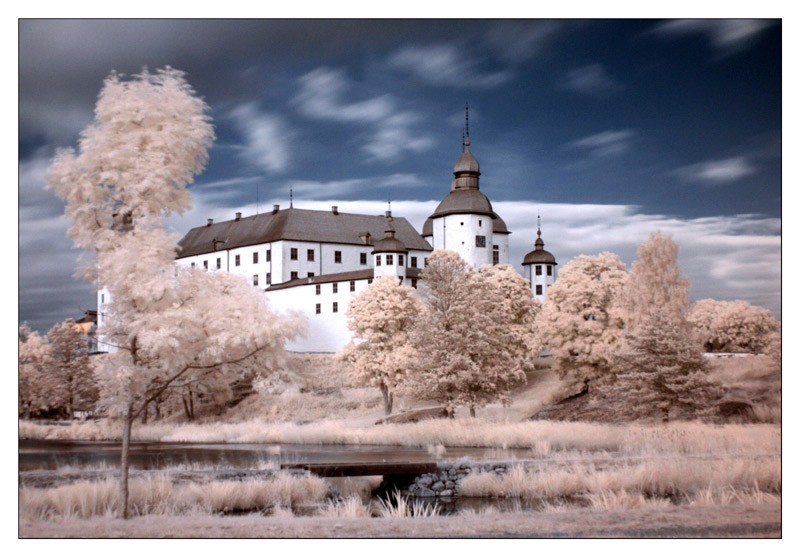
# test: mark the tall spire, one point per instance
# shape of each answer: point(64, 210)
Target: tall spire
point(291, 197)
point(539, 243)
point(466, 140)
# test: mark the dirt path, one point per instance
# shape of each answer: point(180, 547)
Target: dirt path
point(693, 522)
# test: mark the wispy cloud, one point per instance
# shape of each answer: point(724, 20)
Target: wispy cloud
point(517, 41)
point(609, 143)
point(718, 172)
point(591, 80)
point(267, 137)
point(446, 64)
point(391, 134)
point(725, 36)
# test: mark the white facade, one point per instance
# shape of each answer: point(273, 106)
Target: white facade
point(540, 276)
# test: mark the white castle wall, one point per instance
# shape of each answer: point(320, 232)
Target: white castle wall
point(458, 233)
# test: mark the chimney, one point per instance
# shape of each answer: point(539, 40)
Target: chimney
point(365, 238)
point(238, 216)
point(275, 209)
point(335, 210)
point(388, 214)
point(210, 222)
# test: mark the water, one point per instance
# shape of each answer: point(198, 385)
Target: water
point(50, 455)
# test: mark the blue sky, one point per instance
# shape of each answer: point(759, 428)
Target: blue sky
point(608, 128)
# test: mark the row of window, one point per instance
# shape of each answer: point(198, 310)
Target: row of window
point(539, 270)
point(337, 258)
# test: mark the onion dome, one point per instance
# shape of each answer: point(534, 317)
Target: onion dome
point(389, 244)
point(466, 163)
point(499, 225)
point(427, 228)
point(461, 201)
point(539, 255)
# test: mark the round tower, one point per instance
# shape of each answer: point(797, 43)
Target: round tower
point(389, 255)
point(464, 222)
point(540, 268)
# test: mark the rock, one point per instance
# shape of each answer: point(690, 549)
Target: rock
point(449, 485)
point(446, 493)
point(438, 486)
point(452, 472)
point(424, 492)
point(425, 481)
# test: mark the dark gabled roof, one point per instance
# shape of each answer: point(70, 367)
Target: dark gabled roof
point(302, 225)
point(362, 274)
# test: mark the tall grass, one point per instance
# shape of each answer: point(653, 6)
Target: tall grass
point(157, 495)
point(542, 437)
point(683, 478)
point(397, 506)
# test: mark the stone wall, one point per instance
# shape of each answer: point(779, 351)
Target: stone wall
point(446, 481)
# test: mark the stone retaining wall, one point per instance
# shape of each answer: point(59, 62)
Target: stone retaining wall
point(446, 481)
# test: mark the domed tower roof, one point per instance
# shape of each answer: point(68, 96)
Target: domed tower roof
point(539, 255)
point(499, 225)
point(389, 244)
point(467, 163)
point(427, 228)
point(461, 201)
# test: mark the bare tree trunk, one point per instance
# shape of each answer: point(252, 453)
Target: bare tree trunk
point(391, 402)
point(144, 415)
point(387, 399)
point(472, 411)
point(665, 414)
point(127, 422)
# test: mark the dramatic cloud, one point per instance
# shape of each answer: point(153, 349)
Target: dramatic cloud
point(266, 135)
point(446, 64)
point(517, 41)
point(390, 136)
point(592, 80)
point(717, 173)
point(725, 36)
point(609, 143)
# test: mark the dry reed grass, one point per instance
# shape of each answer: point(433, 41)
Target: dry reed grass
point(397, 506)
point(157, 495)
point(674, 478)
point(351, 507)
point(542, 437)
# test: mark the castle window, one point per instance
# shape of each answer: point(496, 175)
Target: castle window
point(480, 241)
point(335, 287)
point(389, 259)
point(255, 257)
point(335, 307)
point(219, 263)
point(538, 270)
point(426, 262)
point(255, 280)
point(337, 257)
point(269, 278)
point(293, 275)
point(319, 309)
point(269, 255)
point(549, 271)
point(462, 224)
point(377, 260)
point(237, 260)
point(480, 223)
point(293, 254)
point(369, 281)
point(205, 264)
point(192, 264)
point(319, 289)
point(413, 283)
point(310, 255)
point(363, 258)
point(352, 286)
point(400, 259)
point(310, 275)
point(538, 289)
point(495, 255)
point(414, 262)
point(103, 296)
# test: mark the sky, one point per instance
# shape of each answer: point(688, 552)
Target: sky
point(608, 129)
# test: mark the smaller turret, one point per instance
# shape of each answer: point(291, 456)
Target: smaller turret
point(389, 254)
point(540, 267)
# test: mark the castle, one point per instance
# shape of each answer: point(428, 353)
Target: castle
point(315, 262)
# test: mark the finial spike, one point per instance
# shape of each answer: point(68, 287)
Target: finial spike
point(538, 225)
point(467, 118)
point(463, 139)
point(291, 197)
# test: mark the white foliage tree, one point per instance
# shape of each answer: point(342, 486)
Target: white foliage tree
point(582, 321)
point(655, 281)
point(70, 382)
point(661, 369)
point(735, 326)
point(34, 359)
point(173, 326)
point(473, 337)
point(381, 318)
